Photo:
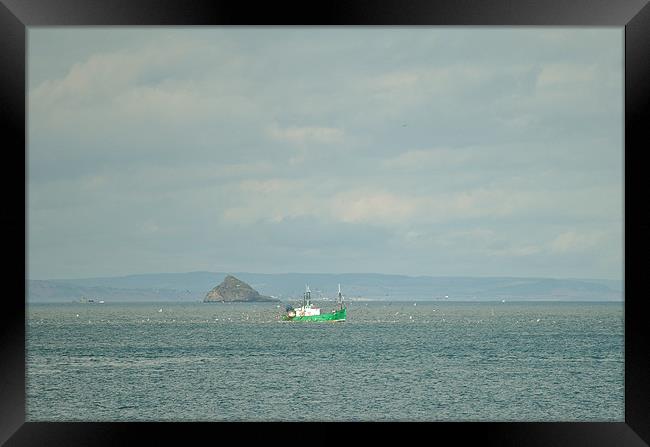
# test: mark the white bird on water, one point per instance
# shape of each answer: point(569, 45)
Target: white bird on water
point(160, 310)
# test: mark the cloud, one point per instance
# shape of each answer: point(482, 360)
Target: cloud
point(574, 241)
point(276, 199)
point(378, 207)
point(268, 186)
point(306, 135)
point(104, 76)
point(566, 74)
point(428, 159)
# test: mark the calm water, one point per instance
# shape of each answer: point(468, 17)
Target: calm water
point(390, 361)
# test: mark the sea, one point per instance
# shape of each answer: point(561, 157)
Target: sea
point(390, 361)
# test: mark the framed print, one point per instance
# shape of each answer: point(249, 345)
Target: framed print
point(393, 218)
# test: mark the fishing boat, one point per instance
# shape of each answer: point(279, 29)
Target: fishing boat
point(308, 312)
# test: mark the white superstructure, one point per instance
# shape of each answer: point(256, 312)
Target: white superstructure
point(307, 310)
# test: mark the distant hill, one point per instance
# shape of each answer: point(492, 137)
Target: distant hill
point(233, 290)
point(194, 286)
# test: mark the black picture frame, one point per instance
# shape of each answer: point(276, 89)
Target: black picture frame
point(17, 15)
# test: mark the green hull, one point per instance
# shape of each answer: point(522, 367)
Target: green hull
point(338, 315)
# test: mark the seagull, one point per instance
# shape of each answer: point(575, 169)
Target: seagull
point(160, 310)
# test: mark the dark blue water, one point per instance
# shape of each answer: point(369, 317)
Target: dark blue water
point(436, 361)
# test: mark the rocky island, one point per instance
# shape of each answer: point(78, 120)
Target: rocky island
point(234, 290)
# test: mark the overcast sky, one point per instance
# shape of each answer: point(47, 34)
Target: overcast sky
point(420, 151)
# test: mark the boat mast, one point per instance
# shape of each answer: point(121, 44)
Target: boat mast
point(340, 298)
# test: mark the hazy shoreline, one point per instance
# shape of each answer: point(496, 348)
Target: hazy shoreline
point(192, 286)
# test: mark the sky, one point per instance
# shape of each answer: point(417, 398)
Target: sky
point(441, 151)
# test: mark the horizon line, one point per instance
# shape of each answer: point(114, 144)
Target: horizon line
point(324, 273)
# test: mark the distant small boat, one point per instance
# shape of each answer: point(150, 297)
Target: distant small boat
point(160, 310)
